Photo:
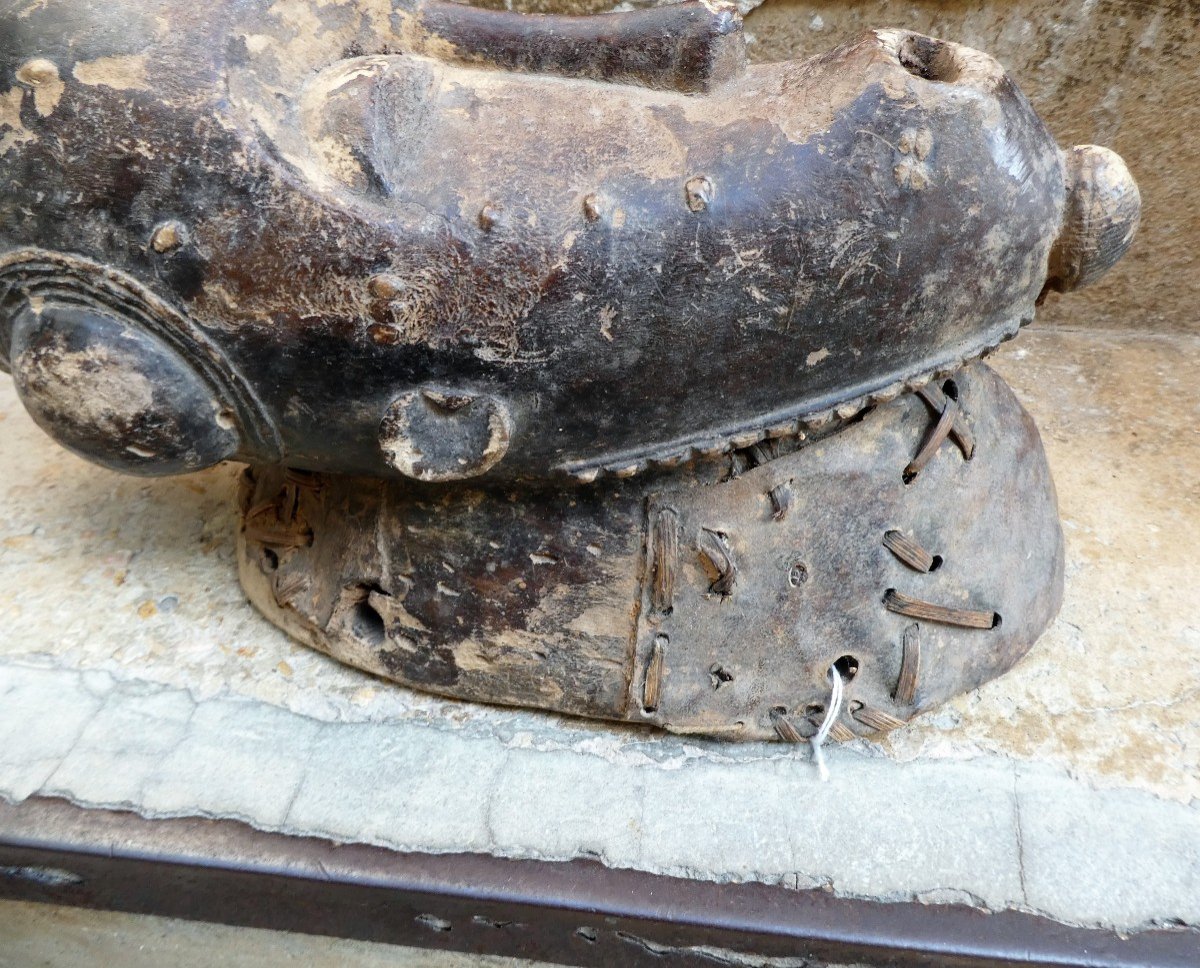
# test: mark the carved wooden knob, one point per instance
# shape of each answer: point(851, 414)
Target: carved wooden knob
point(444, 435)
point(1100, 219)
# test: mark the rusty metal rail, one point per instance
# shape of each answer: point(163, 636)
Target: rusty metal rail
point(578, 913)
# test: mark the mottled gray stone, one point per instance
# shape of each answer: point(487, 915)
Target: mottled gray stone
point(1119, 852)
point(575, 806)
point(977, 831)
point(138, 726)
point(238, 759)
point(42, 715)
point(417, 788)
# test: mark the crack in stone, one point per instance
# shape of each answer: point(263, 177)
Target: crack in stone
point(523, 843)
point(489, 828)
point(101, 702)
point(185, 733)
point(1016, 799)
point(285, 820)
point(301, 783)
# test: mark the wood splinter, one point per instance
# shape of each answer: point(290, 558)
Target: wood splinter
point(652, 686)
point(908, 551)
point(933, 442)
point(876, 719)
point(781, 500)
point(839, 732)
point(299, 538)
point(714, 546)
point(915, 608)
point(960, 432)
point(784, 727)
point(910, 666)
point(288, 589)
point(665, 558)
point(786, 730)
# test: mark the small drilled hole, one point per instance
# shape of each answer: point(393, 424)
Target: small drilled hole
point(367, 624)
point(936, 563)
point(270, 560)
point(779, 710)
point(847, 667)
point(718, 676)
point(797, 574)
point(909, 476)
point(588, 934)
point(997, 620)
point(814, 709)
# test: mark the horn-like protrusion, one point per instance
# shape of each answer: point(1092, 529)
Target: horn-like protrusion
point(691, 46)
point(1100, 219)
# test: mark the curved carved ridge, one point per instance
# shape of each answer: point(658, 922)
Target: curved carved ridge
point(774, 427)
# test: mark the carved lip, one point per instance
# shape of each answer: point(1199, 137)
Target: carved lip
point(791, 423)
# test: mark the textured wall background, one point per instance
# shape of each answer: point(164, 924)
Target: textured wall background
point(1120, 73)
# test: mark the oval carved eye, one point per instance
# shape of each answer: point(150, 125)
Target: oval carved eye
point(436, 434)
point(110, 391)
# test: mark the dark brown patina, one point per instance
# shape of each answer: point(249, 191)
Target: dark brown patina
point(579, 364)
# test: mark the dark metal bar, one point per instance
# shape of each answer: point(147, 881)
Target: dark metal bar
point(578, 913)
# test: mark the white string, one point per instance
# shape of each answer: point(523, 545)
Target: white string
point(831, 717)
